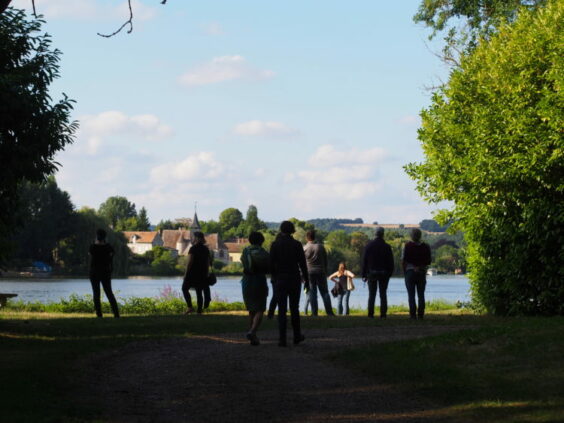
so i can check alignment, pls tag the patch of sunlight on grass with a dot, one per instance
(27, 337)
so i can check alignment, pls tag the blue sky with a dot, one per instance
(304, 109)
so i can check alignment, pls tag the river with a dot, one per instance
(447, 287)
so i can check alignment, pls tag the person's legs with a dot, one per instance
(372, 289)
(340, 303)
(187, 296)
(383, 284)
(324, 292)
(273, 303)
(207, 296)
(410, 286)
(421, 283)
(200, 299)
(257, 319)
(347, 296)
(95, 282)
(294, 291)
(281, 301)
(312, 294)
(107, 285)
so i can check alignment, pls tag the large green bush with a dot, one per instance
(494, 146)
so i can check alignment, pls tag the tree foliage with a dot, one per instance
(494, 146)
(464, 22)
(32, 127)
(116, 210)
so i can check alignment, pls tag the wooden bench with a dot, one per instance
(4, 299)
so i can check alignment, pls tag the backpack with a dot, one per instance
(259, 260)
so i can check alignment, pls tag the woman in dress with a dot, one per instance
(255, 261)
(197, 271)
(343, 279)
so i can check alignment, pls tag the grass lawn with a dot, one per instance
(503, 370)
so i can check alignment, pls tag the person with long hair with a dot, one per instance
(343, 279)
(256, 264)
(196, 275)
(101, 266)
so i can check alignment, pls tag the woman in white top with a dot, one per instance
(343, 279)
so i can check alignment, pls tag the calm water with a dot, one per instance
(447, 287)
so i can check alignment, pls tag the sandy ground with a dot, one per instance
(221, 378)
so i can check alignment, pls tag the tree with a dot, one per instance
(466, 21)
(115, 209)
(431, 225)
(211, 227)
(338, 239)
(33, 129)
(143, 223)
(358, 242)
(230, 218)
(252, 222)
(493, 146)
(48, 215)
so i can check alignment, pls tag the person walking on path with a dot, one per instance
(196, 275)
(101, 266)
(343, 279)
(256, 264)
(377, 268)
(289, 268)
(415, 258)
(316, 259)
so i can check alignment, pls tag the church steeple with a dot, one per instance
(195, 226)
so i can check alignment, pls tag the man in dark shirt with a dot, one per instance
(316, 258)
(101, 258)
(415, 259)
(377, 268)
(289, 267)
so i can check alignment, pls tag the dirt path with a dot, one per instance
(221, 378)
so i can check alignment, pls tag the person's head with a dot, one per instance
(310, 235)
(287, 227)
(199, 237)
(379, 232)
(100, 235)
(256, 238)
(416, 234)
(342, 267)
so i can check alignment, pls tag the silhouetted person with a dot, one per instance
(256, 264)
(196, 275)
(415, 259)
(343, 279)
(289, 267)
(101, 266)
(316, 259)
(377, 268)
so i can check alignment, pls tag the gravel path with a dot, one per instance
(221, 378)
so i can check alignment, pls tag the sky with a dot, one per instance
(305, 109)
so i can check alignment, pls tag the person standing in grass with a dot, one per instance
(343, 279)
(101, 266)
(288, 265)
(316, 258)
(377, 268)
(256, 264)
(415, 258)
(196, 275)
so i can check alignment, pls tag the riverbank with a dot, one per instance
(141, 368)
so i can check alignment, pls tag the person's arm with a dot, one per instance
(403, 262)
(350, 274)
(364, 267)
(302, 263)
(188, 264)
(111, 259)
(333, 277)
(246, 262)
(323, 259)
(390, 261)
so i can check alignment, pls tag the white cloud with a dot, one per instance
(337, 175)
(202, 166)
(327, 155)
(409, 120)
(264, 129)
(87, 9)
(94, 128)
(213, 28)
(224, 68)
